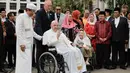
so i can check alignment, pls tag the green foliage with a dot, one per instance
(73, 4)
(119, 3)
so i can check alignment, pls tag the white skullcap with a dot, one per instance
(31, 6)
(54, 22)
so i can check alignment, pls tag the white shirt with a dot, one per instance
(117, 21)
(3, 19)
(107, 18)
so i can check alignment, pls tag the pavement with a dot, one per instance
(118, 70)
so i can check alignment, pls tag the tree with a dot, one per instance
(74, 4)
(119, 3)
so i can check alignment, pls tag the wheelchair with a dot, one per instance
(52, 62)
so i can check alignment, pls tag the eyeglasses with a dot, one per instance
(58, 9)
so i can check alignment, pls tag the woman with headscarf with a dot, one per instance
(76, 19)
(90, 30)
(83, 42)
(69, 27)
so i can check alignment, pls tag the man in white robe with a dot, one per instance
(59, 16)
(72, 55)
(25, 34)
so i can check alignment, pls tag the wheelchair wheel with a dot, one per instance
(48, 63)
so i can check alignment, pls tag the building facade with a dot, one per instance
(15, 5)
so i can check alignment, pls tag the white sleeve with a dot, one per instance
(66, 39)
(48, 40)
(36, 36)
(20, 30)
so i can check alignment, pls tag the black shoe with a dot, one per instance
(113, 67)
(123, 67)
(3, 70)
(99, 67)
(108, 67)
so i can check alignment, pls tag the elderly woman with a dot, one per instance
(83, 42)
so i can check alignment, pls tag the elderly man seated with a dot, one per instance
(72, 55)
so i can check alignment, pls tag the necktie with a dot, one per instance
(48, 14)
(58, 17)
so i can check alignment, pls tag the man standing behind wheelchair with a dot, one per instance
(72, 55)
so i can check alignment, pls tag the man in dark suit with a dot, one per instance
(108, 15)
(44, 17)
(109, 19)
(120, 35)
(3, 19)
(1, 50)
(10, 39)
(97, 11)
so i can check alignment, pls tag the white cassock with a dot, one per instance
(25, 34)
(72, 55)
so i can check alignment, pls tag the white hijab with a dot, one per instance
(85, 40)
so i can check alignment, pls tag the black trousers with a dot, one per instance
(33, 56)
(11, 48)
(128, 57)
(102, 54)
(1, 57)
(40, 49)
(118, 49)
(5, 46)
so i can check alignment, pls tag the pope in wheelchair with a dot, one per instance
(72, 55)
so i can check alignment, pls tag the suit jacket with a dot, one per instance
(121, 33)
(43, 21)
(110, 20)
(1, 34)
(62, 17)
(10, 31)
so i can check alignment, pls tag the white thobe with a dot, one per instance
(25, 34)
(72, 55)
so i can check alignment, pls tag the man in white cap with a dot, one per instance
(25, 34)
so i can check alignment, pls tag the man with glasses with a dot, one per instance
(59, 16)
(1, 50)
(120, 36)
(25, 34)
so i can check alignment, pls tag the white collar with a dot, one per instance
(118, 17)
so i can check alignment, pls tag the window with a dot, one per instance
(22, 0)
(13, 0)
(42, 0)
(22, 6)
(2, 0)
(2, 5)
(33, 0)
(13, 6)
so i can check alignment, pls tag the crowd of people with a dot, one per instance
(23, 38)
